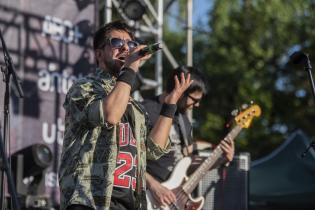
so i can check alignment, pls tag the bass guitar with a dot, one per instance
(182, 186)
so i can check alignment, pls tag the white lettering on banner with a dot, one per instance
(51, 179)
(48, 81)
(52, 132)
(61, 30)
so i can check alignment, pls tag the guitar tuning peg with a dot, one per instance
(244, 106)
(234, 112)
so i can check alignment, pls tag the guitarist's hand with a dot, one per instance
(227, 145)
(181, 84)
(161, 129)
(160, 193)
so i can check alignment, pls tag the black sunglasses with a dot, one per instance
(195, 100)
(118, 43)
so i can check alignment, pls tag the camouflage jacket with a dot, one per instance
(88, 158)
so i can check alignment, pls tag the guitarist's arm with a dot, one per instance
(228, 148)
(227, 145)
(160, 193)
(196, 146)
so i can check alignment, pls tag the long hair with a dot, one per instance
(198, 84)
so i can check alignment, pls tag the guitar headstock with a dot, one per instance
(244, 118)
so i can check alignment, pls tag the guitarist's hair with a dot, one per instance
(198, 84)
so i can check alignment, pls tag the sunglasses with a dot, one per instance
(118, 43)
(195, 100)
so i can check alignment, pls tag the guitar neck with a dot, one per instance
(194, 179)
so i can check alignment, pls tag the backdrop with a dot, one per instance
(50, 44)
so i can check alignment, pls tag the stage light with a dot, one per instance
(28, 167)
(133, 9)
(36, 158)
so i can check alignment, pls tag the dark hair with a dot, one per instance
(101, 34)
(198, 84)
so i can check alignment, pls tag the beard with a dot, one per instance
(114, 66)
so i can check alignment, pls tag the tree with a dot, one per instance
(245, 57)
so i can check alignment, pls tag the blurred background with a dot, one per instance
(243, 47)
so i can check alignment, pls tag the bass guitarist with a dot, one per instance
(180, 136)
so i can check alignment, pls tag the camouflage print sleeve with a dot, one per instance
(84, 103)
(154, 151)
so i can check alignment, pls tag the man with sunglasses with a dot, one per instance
(180, 136)
(107, 137)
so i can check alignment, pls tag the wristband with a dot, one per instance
(168, 110)
(127, 75)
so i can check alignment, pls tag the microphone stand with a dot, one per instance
(308, 68)
(8, 71)
(312, 145)
(5, 167)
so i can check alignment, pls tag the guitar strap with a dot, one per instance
(183, 131)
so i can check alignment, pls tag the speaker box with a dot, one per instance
(226, 188)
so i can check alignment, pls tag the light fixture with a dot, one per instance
(36, 158)
(134, 10)
(28, 167)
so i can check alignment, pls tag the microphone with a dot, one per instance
(150, 49)
(300, 57)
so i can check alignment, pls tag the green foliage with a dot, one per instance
(245, 57)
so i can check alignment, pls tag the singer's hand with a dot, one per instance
(133, 60)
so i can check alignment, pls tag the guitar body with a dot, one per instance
(184, 201)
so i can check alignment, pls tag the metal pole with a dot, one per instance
(189, 34)
(108, 11)
(189, 44)
(158, 64)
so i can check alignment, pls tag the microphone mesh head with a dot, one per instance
(298, 57)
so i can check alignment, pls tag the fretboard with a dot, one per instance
(194, 179)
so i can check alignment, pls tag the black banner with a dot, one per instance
(50, 43)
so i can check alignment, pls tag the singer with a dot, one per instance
(101, 168)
